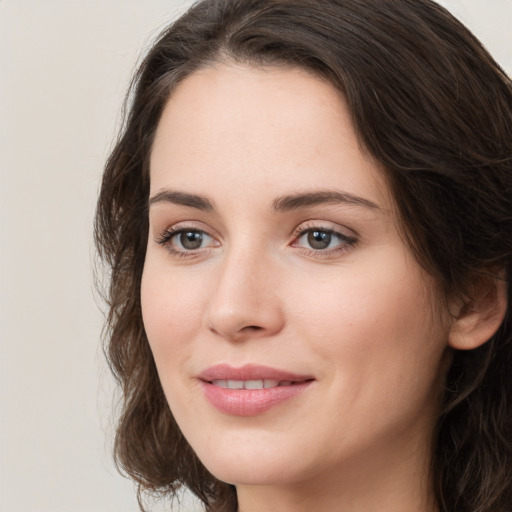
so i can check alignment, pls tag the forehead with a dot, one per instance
(242, 125)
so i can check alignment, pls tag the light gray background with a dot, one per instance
(64, 68)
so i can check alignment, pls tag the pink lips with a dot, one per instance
(259, 388)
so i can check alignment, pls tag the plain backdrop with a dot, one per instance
(64, 69)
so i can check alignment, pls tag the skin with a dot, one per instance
(358, 316)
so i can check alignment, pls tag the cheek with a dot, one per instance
(365, 300)
(375, 327)
(171, 311)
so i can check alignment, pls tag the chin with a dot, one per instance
(250, 474)
(251, 467)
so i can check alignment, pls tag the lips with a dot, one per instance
(251, 389)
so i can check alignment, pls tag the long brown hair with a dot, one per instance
(432, 106)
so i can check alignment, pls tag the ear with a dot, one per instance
(479, 318)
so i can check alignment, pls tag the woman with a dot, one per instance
(308, 223)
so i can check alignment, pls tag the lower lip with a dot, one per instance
(250, 402)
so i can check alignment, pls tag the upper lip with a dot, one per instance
(249, 372)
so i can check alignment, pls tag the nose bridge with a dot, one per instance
(245, 300)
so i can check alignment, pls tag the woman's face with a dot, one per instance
(293, 331)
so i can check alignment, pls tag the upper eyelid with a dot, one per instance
(325, 226)
(192, 225)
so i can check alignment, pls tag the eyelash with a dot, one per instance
(346, 241)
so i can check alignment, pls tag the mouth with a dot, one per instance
(253, 384)
(250, 390)
(250, 376)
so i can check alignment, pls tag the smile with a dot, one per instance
(251, 384)
(250, 390)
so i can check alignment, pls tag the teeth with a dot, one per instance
(253, 384)
(235, 384)
(249, 384)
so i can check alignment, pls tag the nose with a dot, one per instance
(245, 303)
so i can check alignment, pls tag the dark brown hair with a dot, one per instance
(432, 106)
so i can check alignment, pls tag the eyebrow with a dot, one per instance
(281, 204)
(295, 201)
(181, 198)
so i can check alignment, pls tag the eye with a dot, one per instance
(185, 240)
(191, 240)
(323, 240)
(318, 240)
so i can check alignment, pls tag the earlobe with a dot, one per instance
(478, 320)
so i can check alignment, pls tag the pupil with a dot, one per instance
(319, 239)
(191, 239)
